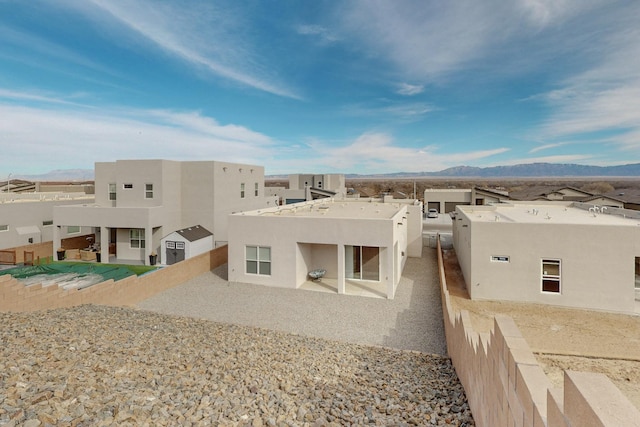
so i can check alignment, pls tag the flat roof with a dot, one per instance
(333, 208)
(551, 213)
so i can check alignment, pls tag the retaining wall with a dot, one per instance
(14, 296)
(506, 386)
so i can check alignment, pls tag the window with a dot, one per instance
(47, 223)
(73, 229)
(112, 191)
(499, 258)
(362, 262)
(148, 191)
(551, 275)
(242, 190)
(127, 186)
(4, 227)
(256, 189)
(258, 260)
(136, 238)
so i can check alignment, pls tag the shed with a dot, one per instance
(184, 244)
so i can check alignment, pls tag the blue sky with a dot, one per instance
(319, 86)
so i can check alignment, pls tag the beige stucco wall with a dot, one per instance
(441, 196)
(597, 261)
(27, 210)
(300, 244)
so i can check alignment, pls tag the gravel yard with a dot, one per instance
(411, 321)
(273, 357)
(94, 365)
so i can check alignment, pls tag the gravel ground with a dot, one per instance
(94, 365)
(411, 321)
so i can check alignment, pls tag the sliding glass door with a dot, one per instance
(362, 262)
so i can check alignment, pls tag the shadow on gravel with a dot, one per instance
(424, 313)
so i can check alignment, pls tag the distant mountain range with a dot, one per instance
(515, 171)
(60, 175)
(521, 171)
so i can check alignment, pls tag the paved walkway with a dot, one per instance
(411, 321)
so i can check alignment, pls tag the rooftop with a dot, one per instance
(334, 208)
(552, 213)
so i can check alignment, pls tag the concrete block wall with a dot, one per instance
(506, 386)
(16, 297)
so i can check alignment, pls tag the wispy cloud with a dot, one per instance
(376, 152)
(405, 111)
(79, 137)
(35, 97)
(604, 100)
(197, 34)
(547, 147)
(429, 40)
(323, 34)
(409, 89)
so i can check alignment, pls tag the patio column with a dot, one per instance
(341, 280)
(390, 259)
(148, 244)
(104, 244)
(56, 241)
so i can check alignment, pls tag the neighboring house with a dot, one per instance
(305, 187)
(184, 244)
(27, 218)
(446, 200)
(561, 253)
(362, 241)
(567, 194)
(138, 202)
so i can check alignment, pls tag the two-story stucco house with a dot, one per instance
(138, 202)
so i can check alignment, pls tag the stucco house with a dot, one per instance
(362, 242)
(304, 187)
(446, 200)
(559, 253)
(138, 202)
(27, 218)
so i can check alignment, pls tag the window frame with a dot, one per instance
(242, 190)
(69, 227)
(4, 227)
(504, 259)
(148, 193)
(140, 238)
(261, 264)
(127, 186)
(113, 191)
(47, 223)
(256, 189)
(546, 279)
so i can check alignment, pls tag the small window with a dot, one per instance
(258, 260)
(47, 223)
(171, 245)
(179, 245)
(4, 227)
(551, 270)
(136, 238)
(256, 189)
(112, 191)
(242, 190)
(148, 191)
(499, 258)
(127, 186)
(73, 229)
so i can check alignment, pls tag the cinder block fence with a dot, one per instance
(14, 296)
(506, 386)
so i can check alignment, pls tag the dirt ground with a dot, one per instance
(563, 338)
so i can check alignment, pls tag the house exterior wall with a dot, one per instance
(442, 197)
(27, 210)
(300, 244)
(597, 260)
(184, 193)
